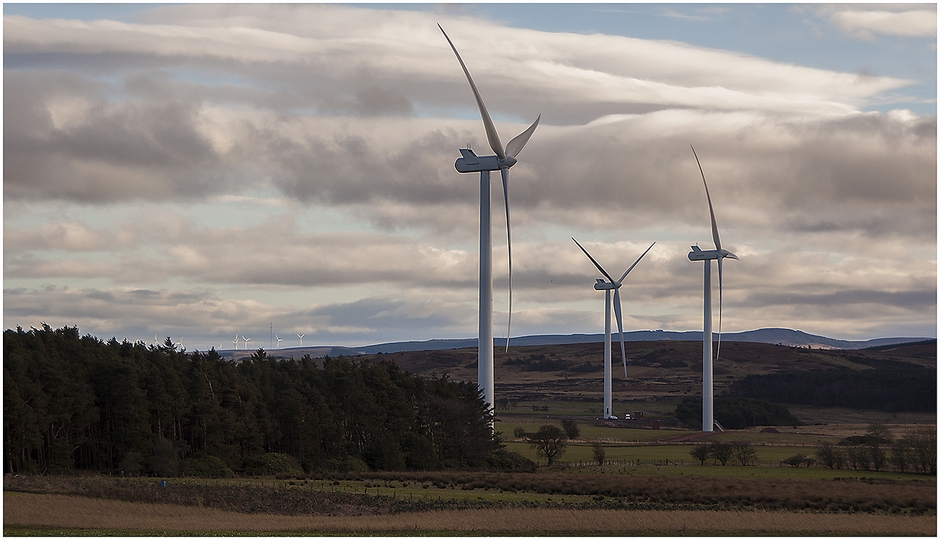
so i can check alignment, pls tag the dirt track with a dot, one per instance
(47, 510)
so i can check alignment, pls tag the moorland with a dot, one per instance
(875, 402)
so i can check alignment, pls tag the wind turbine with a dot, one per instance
(279, 340)
(247, 339)
(611, 285)
(502, 161)
(301, 336)
(697, 254)
(235, 342)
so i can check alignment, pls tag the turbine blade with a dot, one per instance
(518, 142)
(635, 263)
(599, 267)
(711, 210)
(504, 172)
(617, 311)
(491, 135)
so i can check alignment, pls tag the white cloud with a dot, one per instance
(908, 21)
(297, 167)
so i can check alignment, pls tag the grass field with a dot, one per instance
(55, 515)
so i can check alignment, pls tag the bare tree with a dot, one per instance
(720, 451)
(744, 452)
(830, 456)
(549, 441)
(701, 453)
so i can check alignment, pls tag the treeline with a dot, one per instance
(895, 388)
(76, 402)
(735, 412)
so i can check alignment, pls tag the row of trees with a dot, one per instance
(915, 451)
(723, 452)
(898, 386)
(76, 402)
(735, 412)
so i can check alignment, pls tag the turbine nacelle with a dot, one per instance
(698, 254)
(471, 162)
(602, 285)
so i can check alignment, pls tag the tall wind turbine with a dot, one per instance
(502, 161)
(301, 336)
(235, 342)
(697, 254)
(246, 339)
(611, 285)
(279, 340)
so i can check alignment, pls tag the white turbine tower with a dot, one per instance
(235, 342)
(502, 161)
(301, 336)
(246, 339)
(607, 286)
(279, 340)
(697, 254)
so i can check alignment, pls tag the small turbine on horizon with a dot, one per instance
(607, 286)
(279, 340)
(246, 339)
(504, 159)
(301, 336)
(235, 342)
(697, 254)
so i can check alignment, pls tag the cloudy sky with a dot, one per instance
(202, 171)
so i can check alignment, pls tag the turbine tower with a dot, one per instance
(301, 336)
(469, 163)
(235, 342)
(611, 285)
(246, 339)
(279, 340)
(697, 254)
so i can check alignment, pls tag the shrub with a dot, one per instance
(597, 449)
(510, 461)
(571, 428)
(274, 464)
(206, 467)
(131, 464)
(799, 460)
(348, 464)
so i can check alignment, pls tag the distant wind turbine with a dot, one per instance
(502, 161)
(247, 339)
(235, 342)
(697, 254)
(607, 286)
(279, 340)
(301, 336)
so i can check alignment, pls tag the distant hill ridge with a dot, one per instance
(778, 336)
